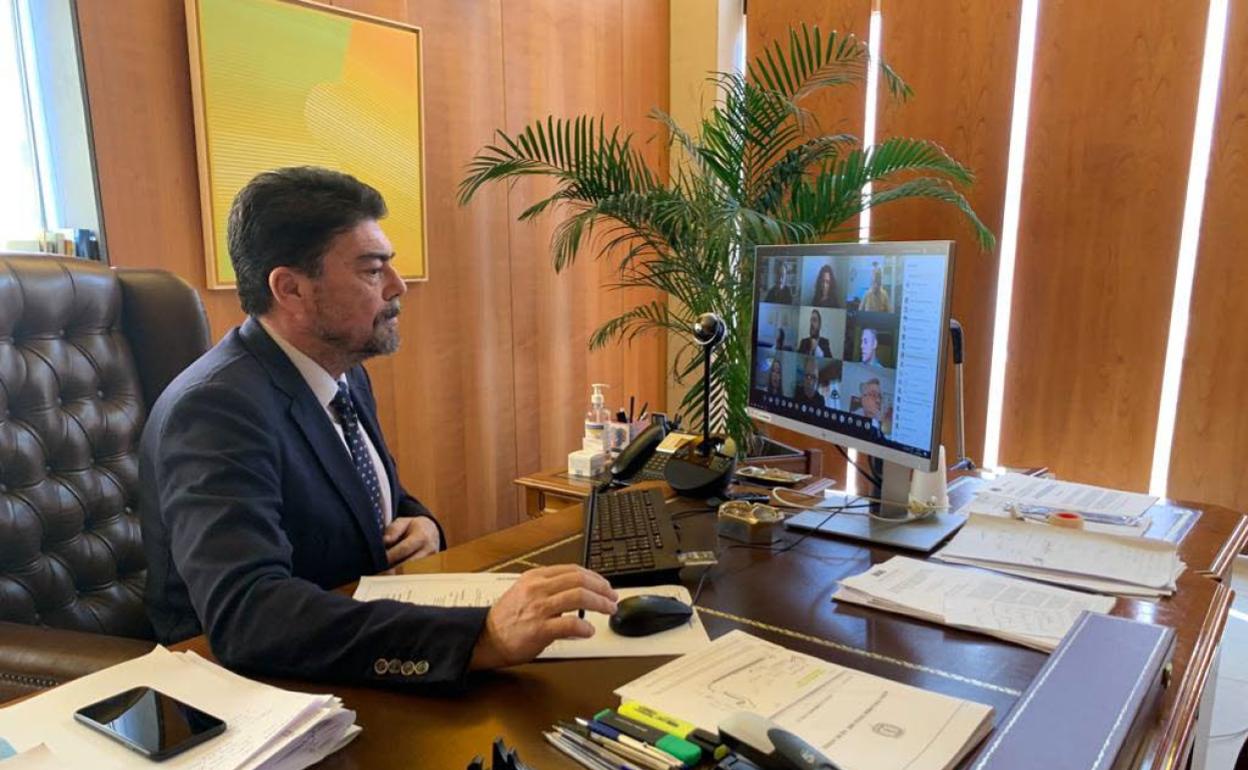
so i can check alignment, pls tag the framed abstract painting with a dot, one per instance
(280, 83)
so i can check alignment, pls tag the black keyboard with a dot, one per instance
(633, 541)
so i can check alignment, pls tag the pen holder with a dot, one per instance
(620, 434)
(616, 436)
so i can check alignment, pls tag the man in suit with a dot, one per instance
(815, 344)
(265, 481)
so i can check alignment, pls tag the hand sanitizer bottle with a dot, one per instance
(596, 419)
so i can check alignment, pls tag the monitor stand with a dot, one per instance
(887, 523)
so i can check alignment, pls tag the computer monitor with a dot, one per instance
(848, 346)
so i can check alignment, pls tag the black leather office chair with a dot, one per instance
(84, 352)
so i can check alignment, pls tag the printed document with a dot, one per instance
(459, 589)
(1027, 613)
(860, 721)
(35, 758)
(267, 728)
(475, 589)
(1067, 556)
(1068, 496)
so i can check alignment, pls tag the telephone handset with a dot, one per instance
(638, 452)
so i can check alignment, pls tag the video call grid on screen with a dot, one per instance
(849, 338)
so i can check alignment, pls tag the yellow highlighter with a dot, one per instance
(639, 712)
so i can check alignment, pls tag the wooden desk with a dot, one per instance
(783, 598)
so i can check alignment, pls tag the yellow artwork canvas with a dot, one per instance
(291, 83)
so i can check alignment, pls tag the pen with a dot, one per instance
(578, 756)
(1042, 512)
(599, 752)
(681, 749)
(644, 406)
(636, 754)
(606, 732)
(630, 754)
(632, 401)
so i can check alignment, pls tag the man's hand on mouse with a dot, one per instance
(532, 614)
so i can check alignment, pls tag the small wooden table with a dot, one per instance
(548, 491)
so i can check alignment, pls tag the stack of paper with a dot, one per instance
(1108, 564)
(1105, 510)
(859, 721)
(477, 589)
(267, 728)
(1018, 611)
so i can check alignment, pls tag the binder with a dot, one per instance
(1089, 706)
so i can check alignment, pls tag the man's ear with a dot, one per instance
(290, 288)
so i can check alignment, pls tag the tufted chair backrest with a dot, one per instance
(72, 406)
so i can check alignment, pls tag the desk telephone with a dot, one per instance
(645, 457)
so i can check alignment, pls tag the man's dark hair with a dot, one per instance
(286, 218)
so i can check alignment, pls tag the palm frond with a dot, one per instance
(756, 169)
(578, 152)
(940, 190)
(651, 316)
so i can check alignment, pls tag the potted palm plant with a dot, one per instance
(758, 170)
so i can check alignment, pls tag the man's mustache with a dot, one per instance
(391, 311)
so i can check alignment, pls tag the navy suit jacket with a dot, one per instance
(252, 510)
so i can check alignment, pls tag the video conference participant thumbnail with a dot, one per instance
(820, 287)
(774, 372)
(825, 332)
(867, 392)
(818, 386)
(873, 284)
(871, 339)
(777, 326)
(783, 273)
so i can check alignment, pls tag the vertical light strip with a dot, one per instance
(1189, 240)
(874, 37)
(1009, 228)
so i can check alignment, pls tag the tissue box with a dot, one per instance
(586, 463)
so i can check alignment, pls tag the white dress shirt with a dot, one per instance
(325, 387)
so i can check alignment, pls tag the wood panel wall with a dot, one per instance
(1211, 430)
(769, 21)
(841, 109)
(491, 380)
(965, 106)
(568, 59)
(1112, 110)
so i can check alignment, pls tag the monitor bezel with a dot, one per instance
(880, 248)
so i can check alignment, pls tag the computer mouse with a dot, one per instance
(648, 614)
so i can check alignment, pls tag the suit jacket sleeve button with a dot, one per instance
(422, 668)
(395, 666)
(409, 668)
(380, 666)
